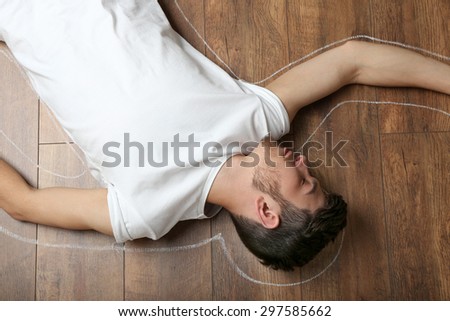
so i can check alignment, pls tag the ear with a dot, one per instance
(269, 218)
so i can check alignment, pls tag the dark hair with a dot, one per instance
(299, 236)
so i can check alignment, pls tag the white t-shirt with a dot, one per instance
(135, 96)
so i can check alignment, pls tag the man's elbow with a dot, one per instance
(352, 51)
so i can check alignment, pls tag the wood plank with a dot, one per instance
(50, 131)
(364, 253)
(65, 273)
(18, 120)
(173, 274)
(256, 38)
(423, 24)
(239, 276)
(416, 171)
(193, 10)
(163, 270)
(251, 37)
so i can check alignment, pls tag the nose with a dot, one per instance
(303, 166)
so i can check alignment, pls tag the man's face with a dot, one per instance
(295, 181)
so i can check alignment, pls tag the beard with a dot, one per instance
(267, 181)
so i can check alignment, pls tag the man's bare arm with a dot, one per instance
(358, 63)
(70, 208)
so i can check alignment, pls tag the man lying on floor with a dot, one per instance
(119, 79)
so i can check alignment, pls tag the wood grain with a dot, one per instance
(74, 274)
(50, 131)
(416, 171)
(421, 24)
(364, 249)
(251, 37)
(18, 103)
(194, 11)
(359, 180)
(169, 275)
(396, 182)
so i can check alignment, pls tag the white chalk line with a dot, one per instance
(370, 102)
(311, 54)
(218, 237)
(23, 74)
(121, 247)
(9, 56)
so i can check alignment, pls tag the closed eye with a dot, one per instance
(314, 184)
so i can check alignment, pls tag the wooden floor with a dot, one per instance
(396, 181)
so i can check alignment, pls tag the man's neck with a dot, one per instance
(231, 188)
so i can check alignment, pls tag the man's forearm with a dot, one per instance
(71, 208)
(358, 62)
(389, 66)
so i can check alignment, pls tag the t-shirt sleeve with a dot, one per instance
(276, 115)
(118, 221)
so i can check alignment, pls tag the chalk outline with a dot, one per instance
(217, 237)
(122, 246)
